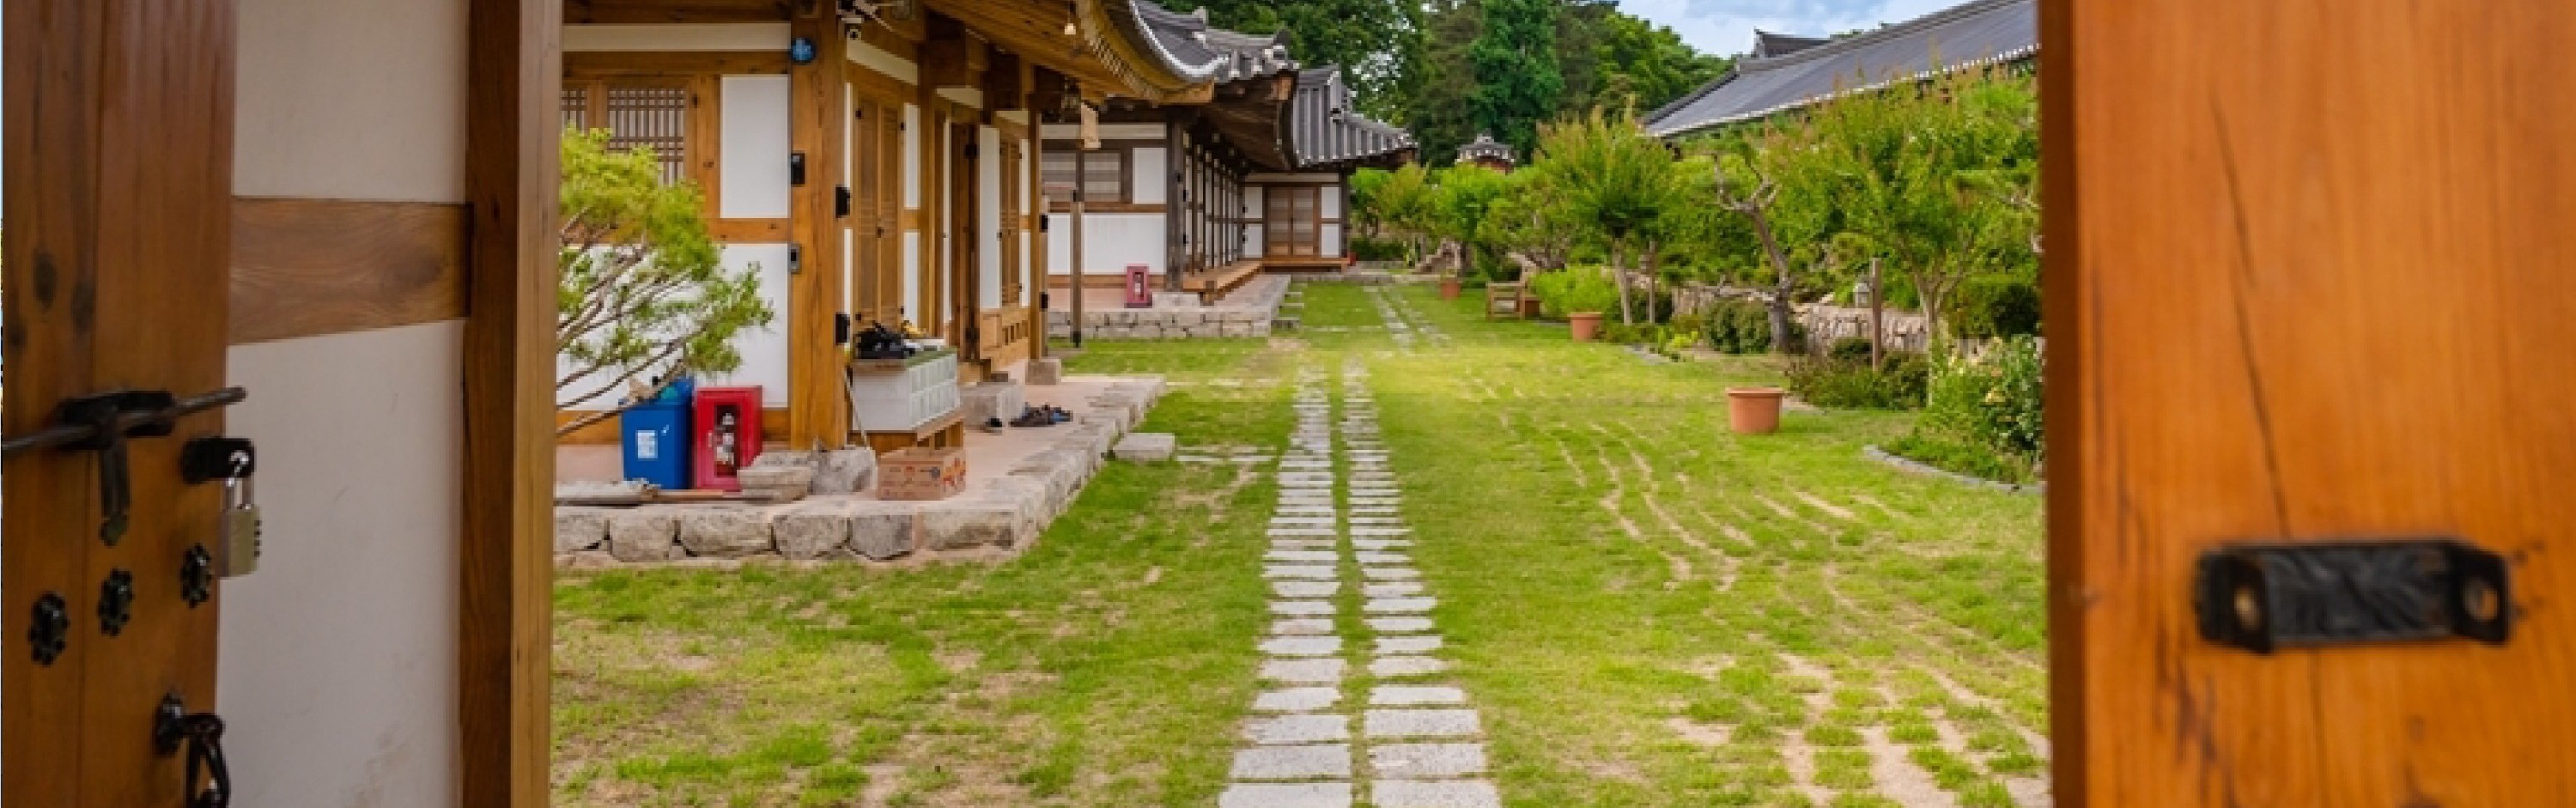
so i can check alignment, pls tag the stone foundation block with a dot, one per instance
(1046, 372)
(644, 535)
(726, 532)
(1147, 447)
(579, 529)
(844, 471)
(1003, 400)
(883, 530)
(817, 532)
(960, 524)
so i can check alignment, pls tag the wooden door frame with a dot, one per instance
(965, 212)
(506, 595)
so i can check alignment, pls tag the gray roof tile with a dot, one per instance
(1790, 72)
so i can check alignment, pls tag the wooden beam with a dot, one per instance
(956, 61)
(675, 63)
(310, 267)
(513, 134)
(1006, 83)
(818, 123)
(673, 11)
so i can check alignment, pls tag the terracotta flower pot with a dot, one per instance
(1587, 325)
(1449, 288)
(1753, 410)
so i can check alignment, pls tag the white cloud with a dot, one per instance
(1726, 26)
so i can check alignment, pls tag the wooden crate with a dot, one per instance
(921, 474)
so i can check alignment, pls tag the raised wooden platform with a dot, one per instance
(1302, 265)
(1213, 285)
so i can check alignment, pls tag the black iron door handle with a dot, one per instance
(202, 736)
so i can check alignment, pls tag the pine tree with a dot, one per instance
(1518, 81)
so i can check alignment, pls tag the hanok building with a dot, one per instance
(1786, 73)
(1487, 152)
(1206, 194)
(882, 162)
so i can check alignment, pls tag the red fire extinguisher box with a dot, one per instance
(728, 435)
(1140, 294)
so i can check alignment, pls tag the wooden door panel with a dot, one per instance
(120, 139)
(2310, 276)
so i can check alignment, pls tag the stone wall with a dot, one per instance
(1906, 330)
(1248, 312)
(1001, 515)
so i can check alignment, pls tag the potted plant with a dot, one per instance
(1587, 325)
(1753, 410)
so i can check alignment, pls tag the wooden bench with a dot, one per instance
(1213, 284)
(1503, 300)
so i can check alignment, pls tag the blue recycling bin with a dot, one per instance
(655, 437)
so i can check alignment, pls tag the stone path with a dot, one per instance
(1394, 734)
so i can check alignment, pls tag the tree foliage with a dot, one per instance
(1514, 60)
(643, 295)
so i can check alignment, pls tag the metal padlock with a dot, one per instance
(238, 553)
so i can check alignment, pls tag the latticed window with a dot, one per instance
(647, 113)
(1104, 173)
(1292, 226)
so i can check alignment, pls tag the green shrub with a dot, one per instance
(1744, 327)
(1997, 307)
(1624, 334)
(1984, 417)
(1380, 249)
(1849, 349)
(1574, 290)
(1849, 384)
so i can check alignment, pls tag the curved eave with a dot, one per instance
(1114, 32)
(1699, 126)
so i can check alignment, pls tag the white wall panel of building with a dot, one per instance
(1149, 178)
(764, 350)
(360, 434)
(752, 160)
(988, 212)
(1110, 241)
(911, 156)
(1332, 200)
(1329, 241)
(911, 272)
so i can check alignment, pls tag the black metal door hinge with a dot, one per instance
(2263, 597)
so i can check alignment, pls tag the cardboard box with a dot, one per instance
(921, 474)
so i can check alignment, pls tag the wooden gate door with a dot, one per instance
(965, 257)
(2311, 277)
(119, 149)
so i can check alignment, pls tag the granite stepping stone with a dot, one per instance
(1297, 699)
(1400, 646)
(1302, 532)
(1293, 762)
(1306, 589)
(1285, 795)
(1392, 589)
(1407, 723)
(1359, 532)
(1403, 667)
(1415, 696)
(1303, 671)
(1312, 572)
(1427, 760)
(1304, 544)
(1384, 573)
(1302, 608)
(1302, 556)
(1382, 557)
(1298, 728)
(1381, 544)
(1300, 625)
(1400, 625)
(1399, 605)
(1434, 794)
(1301, 521)
(1322, 645)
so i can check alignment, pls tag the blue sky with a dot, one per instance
(1726, 26)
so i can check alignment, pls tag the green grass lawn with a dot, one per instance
(1648, 610)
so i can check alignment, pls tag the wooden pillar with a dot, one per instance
(818, 123)
(1081, 179)
(1174, 119)
(513, 135)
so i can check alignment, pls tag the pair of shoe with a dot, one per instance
(1044, 415)
(992, 425)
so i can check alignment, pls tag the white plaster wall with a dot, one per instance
(756, 36)
(911, 271)
(1329, 239)
(1331, 200)
(351, 99)
(883, 61)
(1147, 180)
(988, 228)
(911, 156)
(1110, 241)
(764, 350)
(338, 658)
(752, 181)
